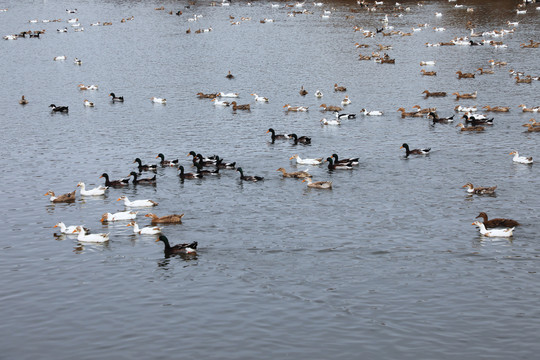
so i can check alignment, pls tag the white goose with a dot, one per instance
(121, 215)
(94, 238)
(316, 161)
(148, 230)
(137, 203)
(508, 232)
(73, 229)
(100, 190)
(521, 159)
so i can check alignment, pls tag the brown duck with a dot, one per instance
(296, 174)
(69, 197)
(493, 223)
(167, 219)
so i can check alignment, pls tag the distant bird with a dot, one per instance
(318, 184)
(179, 249)
(480, 190)
(303, 91)
(88, 103)
(23, 101)
(521, 159)
(301, 139)
(339, 88)
(55, 108)
(414, 151)
(248, 178)
(158, 100)
(229, 75)
(116, 98)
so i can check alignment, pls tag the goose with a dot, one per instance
(63, 109)
(248, 178)
(346, 101)
(148, 230)
(303, 91)
(97, 191)
(465, 96)
(295, 174)
(167, 219)
(260, 98)
(508, 232)
(498, 222)
(464, 75)
(315, 161)
(427, 63)
(330, 108)
(220, 103)
(296, 108)
(414, 151)
(350, 161)
(481, 190)
(229, 75)
(114, 183)
(69, 197)
(88, 103)
(144, 167)
(470, 128)
(371, 113)
(330, 122)
(117, 216)
(23, 101)
(183, 175)
(301, 139)
(228, 95)
(318, 94)
(94, 238)
(344, 115)
(137, 203)
(436, 118)
(333, 166)
(339, 88)
(521, 159)
(158, 100)
(116, 98)
(182, 249)
(145, 181)
(240, 107)
(164, 162)
(69, 230)
(318, 184)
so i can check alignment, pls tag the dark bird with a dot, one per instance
(144, 167)
(55, 108)
(341, 166)
(301, 139)
(248, 178)
(277, 136)
(414, 151)
(184, 175)
(114, 183)
(146, 181)
(164, 162)
(494, 223)
(116, 98)
(179, 248)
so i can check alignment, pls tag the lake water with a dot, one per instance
(384, 265)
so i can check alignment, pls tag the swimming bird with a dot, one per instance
(137, 203)
(318, 184)
(182, 249)
(296, 108)
(477, 119)
(69, 230)
(167, 219)
(344, 115)
(69, 197)
(532, 127)
(521, 159)
(434, 94)
(295, 174)
(224, 165)
(63, 109)
(339, 88)
(508, 232)
(371, 113)
(200, 170)
(414, 151)
(305, 161)
(464, 75)
(301, 139)
(480, 190)
(340, 166)
(345, 101)
(118, 216)
(526, 109)
(164, 162)
(498, 222)
(437, 119)
(324, 121)
(260, 98)
(144, 167)
(240, 107)
(97, 191)
(465, 96)
(497, 108)
(94, 238)
(158, 100)
(147, 230)
(470, 128)
(275, 136)
(229, 75)
(88, 103)
(318, 94)
(77, 61)
(427, 63)
(116, 98)
(61, 57)
(228, 95)
(248, 178)
(145, 181)
(428, 73)
(220, 103)
(346, 161)
(303, 91)
(184, 175)
(114, 183)
(330, 107)
(23, 101)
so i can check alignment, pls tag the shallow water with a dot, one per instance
(385, 265)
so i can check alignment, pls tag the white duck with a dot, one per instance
(427, 63)
(137, 203)
(371, 113)
(88, 103)
(316, 161)
(508, 232)
(148, 230)
(318, 94)
(121, 215)
(228, 95)
(158, 100)
(94, 238)
(58, 58)
(73, 229)
(521, 159)
(260, 98)
(220, 103)
(100, 190)
(346, 101)
(466, 109)
(330, 122)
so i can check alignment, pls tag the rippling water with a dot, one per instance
(386, 265)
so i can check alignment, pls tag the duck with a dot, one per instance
(318, 184)
(296, 108)
(63, 109)
(526, 109)
(414, 151)
(350, 161)
(340, 166)
(497, 108)
(116, 98)
(114, 183)
(260, 98)
(339, 88)
(200, 170)
(466, 109)
(419, 109)
(315, 161)
(145, 167)
(248, 178)
(220, 103)
(427, 63)
(183, 175)
(521, 159)
(198, 158)
(164, 162)
(240, 107)
(330, 108)
(167, 219)
(23, 101)
(229, 75)
(405, 114)
(224, 165)
(145, 181)
(147, 230)
(532, 127)
(303, 91)
(344, 115)
(477, 119)
(77, 61)
(345, 101)
(60, 58)
(437, 119)
(498, 222)
(525, 80)
(228, 95)
(465, 96)
(207, 96)
(295, 174)
(69, 197)
(87, 87)
(94, 238)
(117, 216)
(97, 191)
(318, 94)
(470, 128)
(434, 94)
(179, 249)
(69, 230)
(464, 75)
(484, 71)
(481, 190)
(301, 139)
(324, 121)
(428, 73)
(508, 232)
(158, 100)
(137, 203)
(371, 113)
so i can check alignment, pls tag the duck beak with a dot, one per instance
(401, 147)
(118, 199)
(55, 226)
(157, 239)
